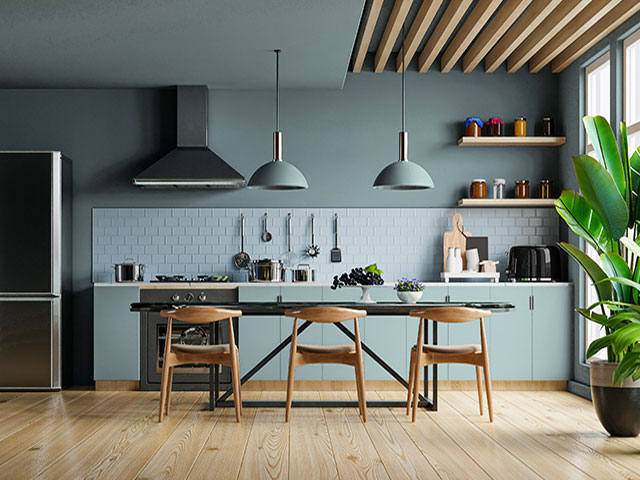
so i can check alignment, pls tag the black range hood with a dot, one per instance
(192, 164)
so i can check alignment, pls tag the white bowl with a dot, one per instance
(409, 297)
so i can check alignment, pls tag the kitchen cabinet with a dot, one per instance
(258, 293)
(552, 342)
(387, 336)
(511, 334)
(116, 334)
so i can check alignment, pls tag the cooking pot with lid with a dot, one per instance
(266, 270)
(129, 271)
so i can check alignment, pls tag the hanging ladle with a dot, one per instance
(313, 250)
(266, 236)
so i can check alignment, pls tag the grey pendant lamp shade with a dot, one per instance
(403, 174)
(278, 174)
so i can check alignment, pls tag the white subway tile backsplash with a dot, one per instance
(402, 241)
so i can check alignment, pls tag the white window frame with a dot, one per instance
(590, 327)
(630, 40)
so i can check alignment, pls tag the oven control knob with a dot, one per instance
(202, 297)
(175, 297)
(188, 297)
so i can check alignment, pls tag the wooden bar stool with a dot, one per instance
(344, 354)
(221, 354)
(423, 355)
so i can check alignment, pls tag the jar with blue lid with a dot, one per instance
(473, 126)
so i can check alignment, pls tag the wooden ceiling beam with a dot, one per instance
(447, 24)
(367, 32)
(508, 13)
(477, 19)
(583, 22)
(554, 23)
(601, 29)
(527, 23)
(418, 29)
(391, 31)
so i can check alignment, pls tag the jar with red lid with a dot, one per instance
(473, 127)
(495, 127)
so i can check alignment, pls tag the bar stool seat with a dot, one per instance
(325, 349)
(452, 349)
(220, 348)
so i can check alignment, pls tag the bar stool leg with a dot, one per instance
(479, 382)
(169, 385)
(412, 366)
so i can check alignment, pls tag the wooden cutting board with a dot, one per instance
(455, 239)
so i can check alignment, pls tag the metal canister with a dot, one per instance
(498, 187)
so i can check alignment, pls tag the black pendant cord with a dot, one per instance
(277, 90)
(403, 81)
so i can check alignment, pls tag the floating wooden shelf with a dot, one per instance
(506, 202)
(511, 141)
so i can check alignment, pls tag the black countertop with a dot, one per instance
(278, 308)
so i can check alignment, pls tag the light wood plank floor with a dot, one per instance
(115, 435)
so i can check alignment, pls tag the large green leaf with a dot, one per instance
(598, 344)
(624, 151)
(628, 367)
(624, 337)
(600, 192)
(583, 220)
(634, 173)
(616, 267)
(597, 275)
(606, 149)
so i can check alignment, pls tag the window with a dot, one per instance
(631, 55)
(597, 102)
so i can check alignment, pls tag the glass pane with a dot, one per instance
(632, 79)
(598, 98)
(634, 141)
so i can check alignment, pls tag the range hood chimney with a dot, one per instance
(192, 164)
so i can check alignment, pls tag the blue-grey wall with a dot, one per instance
(339, 138)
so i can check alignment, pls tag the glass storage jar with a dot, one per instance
(495, 127)
(522, 189)
(498, 187)
(547, 127)
(545, 188)
(520, 127)
(473, 127)
(478, 188)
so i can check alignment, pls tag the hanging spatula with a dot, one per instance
(336, 253)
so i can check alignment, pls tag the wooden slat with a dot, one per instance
(374, 7)
(554, 23)
(355, 455)
(508, 13)
(447, 24)
(527, 23)
(267, 452)
(310, 445)
(478, 17)
(601, 29)
(534, 426)
(390, 34)
(538, 457)
(583, 22)
(419, 27)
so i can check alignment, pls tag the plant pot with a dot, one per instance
(618, 408)
(366, 294)
(409, 297)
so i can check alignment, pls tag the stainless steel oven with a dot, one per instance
(153, 336)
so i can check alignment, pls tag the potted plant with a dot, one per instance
(409, 291)
(606, 214)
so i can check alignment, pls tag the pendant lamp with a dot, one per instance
(278, 174)
(403, 174)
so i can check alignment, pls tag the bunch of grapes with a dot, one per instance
(356, 277)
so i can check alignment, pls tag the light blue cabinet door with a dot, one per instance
(469, 332)
(552, 332)
(301, 294)
(384, 293)
(258, 293)
(332, 336)
(116, 333)
(259, 335)
(347, 294)
(313, 336)
(387, 336)
(511, 334)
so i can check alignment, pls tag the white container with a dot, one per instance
(458, 261)
(473, 260)
(451, 260)
(409, 297)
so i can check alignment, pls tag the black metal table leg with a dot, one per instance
(426, 368)
(434, 399)
(217, 367)
(212, 399)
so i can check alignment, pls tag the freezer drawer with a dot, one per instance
(27, 353)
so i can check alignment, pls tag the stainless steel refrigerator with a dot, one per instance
(35, 256)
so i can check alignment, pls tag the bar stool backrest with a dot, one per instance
(200, 314)
(451, 314)
(326, 314)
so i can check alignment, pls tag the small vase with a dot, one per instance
(409, 297)
(366, 294)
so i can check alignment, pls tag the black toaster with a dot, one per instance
(538, 263)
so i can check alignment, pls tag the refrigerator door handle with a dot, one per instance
(28, 296)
